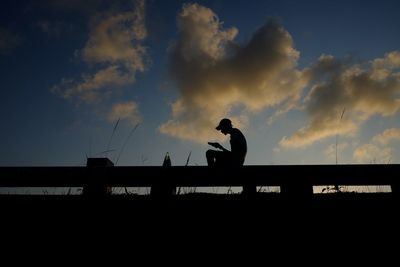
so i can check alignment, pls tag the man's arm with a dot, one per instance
(219, 146)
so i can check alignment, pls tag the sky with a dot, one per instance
(307, 82)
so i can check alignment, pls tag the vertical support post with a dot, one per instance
(299, 189)
(96, 186)
(249, 190)
(164, 189)
(395, 189)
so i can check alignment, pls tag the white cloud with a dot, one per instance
(333, 151)
(319, 128)
(113, 36)
(217, 77)
(390, 61)
(387, 136)
(94, 87)
(370, 153)
(125, 111)
(114, 45)
(377, 149)
(363, 90)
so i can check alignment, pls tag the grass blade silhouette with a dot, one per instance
(126, 142)
(188, 158)
(112, 135)
(336, 145)
(187, 164)
(336, 187)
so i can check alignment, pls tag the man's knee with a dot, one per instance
(211, 157)
(210, 153)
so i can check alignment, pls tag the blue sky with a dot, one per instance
(302, 80)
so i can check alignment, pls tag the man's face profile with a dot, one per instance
(224, 130)
(224, 126)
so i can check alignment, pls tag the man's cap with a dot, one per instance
(224, 123)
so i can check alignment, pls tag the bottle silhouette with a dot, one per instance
(167, 161)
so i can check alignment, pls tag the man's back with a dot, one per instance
(238, 145)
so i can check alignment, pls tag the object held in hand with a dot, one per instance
(216, 145)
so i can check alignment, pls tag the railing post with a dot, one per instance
(164, 189)
(95, 186)
(249, 190)
(298, 188)
(395, 189)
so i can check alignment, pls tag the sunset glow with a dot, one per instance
(307, 82)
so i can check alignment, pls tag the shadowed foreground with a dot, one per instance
(295, 182)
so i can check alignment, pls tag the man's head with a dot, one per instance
(225, 125)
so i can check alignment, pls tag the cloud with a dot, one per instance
(8, 41)
(376, 150)
(114, 47)
(217, 77)
(332, 150)
(319, 128)
(95, 87)
(387, 136)
(363, 90)
(125, 111)
(390, 61)
(370, 153)
(112, 36)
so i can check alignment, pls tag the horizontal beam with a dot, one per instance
(202, 176)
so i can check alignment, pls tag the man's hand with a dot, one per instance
(216, 145)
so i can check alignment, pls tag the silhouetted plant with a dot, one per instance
(335, 188)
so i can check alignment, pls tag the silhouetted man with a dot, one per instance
(233, 158)
(237, 154)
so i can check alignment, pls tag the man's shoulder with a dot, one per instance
(237, 132)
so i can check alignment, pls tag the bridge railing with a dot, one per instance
(292, 179)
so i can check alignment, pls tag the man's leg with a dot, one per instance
(216, 158)
(211, 156)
